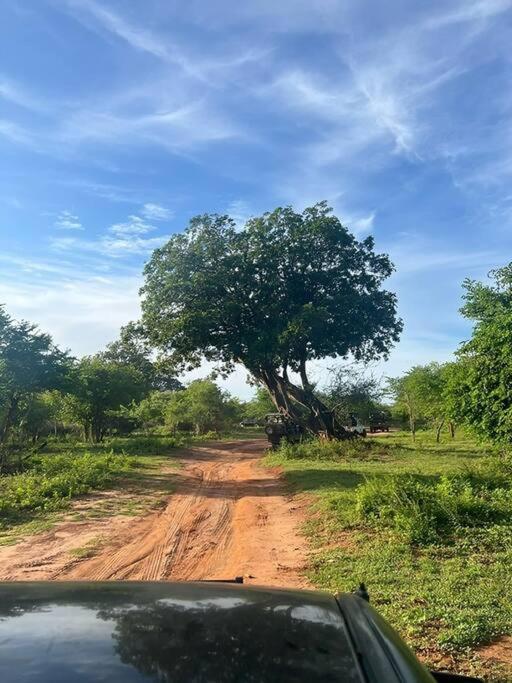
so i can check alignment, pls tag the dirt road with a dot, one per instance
(227, 517)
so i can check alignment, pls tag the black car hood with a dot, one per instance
(131, 631)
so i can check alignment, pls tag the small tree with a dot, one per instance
(203, 405)
(259, 406)
(101, 387)
(421, 394)
(352, 390)
(287, 289)
(152, 410)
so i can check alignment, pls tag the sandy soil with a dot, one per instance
(227, 517)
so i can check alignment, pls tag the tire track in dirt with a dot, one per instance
(227, 517)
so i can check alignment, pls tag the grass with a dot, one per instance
(89, 549)
(31, 500)
(428, 528)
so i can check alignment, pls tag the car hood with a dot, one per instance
(145, 631)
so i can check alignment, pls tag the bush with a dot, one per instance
(321, 449)
(426, 511)
(54, 480)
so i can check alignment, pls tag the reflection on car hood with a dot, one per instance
(133, 632)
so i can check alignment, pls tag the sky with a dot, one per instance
(120, 120)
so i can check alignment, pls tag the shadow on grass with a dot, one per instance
(342, 480)
(441, 450)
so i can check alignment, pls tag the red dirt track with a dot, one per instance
(227, 517)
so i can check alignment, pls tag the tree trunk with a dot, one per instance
(8, 420)
(438, 431)
(451, 427)
(300, 403)
(412, 418)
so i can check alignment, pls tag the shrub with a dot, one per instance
(426, 511)
(322, 449)
(54, 480)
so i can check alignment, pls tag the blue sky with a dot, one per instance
(120, 120)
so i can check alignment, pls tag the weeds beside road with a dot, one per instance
(428, 528)
(65, 470)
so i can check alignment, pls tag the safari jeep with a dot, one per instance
(278, 427)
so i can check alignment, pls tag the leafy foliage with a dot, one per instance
(100, 388)
(259, 406)
(132, 349)
(203, 405)
(480, 391)
(52, 481)
(430, 511)
(422, 395)
(287, 289)
(444, 594)
(29, 363)
(351, 390)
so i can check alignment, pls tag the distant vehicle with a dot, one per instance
(356, 426)
(249, 422)
(138, 632)
(380, 422)
(279, 427)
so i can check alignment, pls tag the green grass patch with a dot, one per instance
(66, 469)
(53, 481)
(89, 549)
(428, 528)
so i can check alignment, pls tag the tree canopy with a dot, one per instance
(202, 405)
(29, 363)
(286, 289)
(132, 348)
(421, 394)
(100, 388)
(481, 392)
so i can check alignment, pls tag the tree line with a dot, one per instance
(45, 390)
(284, 291)
(474, 390)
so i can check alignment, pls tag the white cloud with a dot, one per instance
(110, 246)
(15, 133)
(156, 212)
(68, 221)
(177, 128)
(469, 12)
(414, 253)
(363, 224)
(82, 313)
(13, 92)
(135, 225)
(114, 193)
(135, 36)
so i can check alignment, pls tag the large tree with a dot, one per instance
(481, 384)
(29, 363)
(287, 289)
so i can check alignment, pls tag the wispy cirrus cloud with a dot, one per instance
(16, 133)
(156, 212)
(15, 93)
(68, 221)
(123, 239)
(110, 246)
(136, 36)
